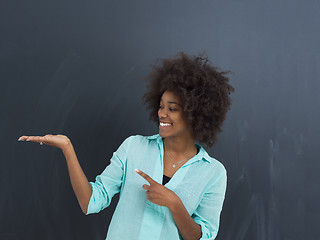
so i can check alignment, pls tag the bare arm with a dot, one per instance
(79, 181)
(188, 228)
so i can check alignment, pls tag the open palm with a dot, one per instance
(58, 141)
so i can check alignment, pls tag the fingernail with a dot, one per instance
(137, 170)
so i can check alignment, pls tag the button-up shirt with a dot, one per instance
(200, 184)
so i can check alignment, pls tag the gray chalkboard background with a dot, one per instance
(75, 68)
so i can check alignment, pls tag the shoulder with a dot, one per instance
(135, 143)
(212, 163)
(214, 170)
(218, 180)
(139, 137)
(218, 166)
(142, 140)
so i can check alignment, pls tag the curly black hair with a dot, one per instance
(202, 89)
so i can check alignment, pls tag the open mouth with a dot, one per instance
(162, 124)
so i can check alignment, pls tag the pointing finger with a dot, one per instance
(145, 176)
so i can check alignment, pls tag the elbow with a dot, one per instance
(84, 211)
(84, 208)
(84, 204)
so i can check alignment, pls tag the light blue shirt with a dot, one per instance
(200, 183)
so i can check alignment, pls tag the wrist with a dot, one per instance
(67, 146)
(174, 204)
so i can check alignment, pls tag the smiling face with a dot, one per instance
(171, 119)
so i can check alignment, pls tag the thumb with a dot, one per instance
(146, 187)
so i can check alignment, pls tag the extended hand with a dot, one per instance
(59, 141)
(157, 193)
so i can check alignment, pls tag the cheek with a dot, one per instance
(184, 123)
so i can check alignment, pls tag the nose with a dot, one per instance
(162, 113)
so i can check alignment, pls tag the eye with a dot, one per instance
(160, 107)
(172, 109)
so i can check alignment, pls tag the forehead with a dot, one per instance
(170, 97)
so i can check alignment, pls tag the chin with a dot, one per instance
(163, 134)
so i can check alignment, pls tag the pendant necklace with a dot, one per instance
(173, 163)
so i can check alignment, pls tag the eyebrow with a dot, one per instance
(170, 102)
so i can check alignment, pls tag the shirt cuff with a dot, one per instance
(91, 208)
(207, 234)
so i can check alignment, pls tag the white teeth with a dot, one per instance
(165, 124)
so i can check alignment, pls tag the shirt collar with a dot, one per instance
(202, 154)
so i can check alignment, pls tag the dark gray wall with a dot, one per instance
(75, 68)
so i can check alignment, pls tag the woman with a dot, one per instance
(180, 191)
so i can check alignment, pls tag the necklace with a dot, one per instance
(173, 163)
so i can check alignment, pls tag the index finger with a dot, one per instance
(145, 176)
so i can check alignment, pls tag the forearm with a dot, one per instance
(188, 228)
(79, 181)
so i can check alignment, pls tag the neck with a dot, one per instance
(180, 145)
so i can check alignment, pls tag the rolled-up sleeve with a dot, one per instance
(207, 214)
(108, 183)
